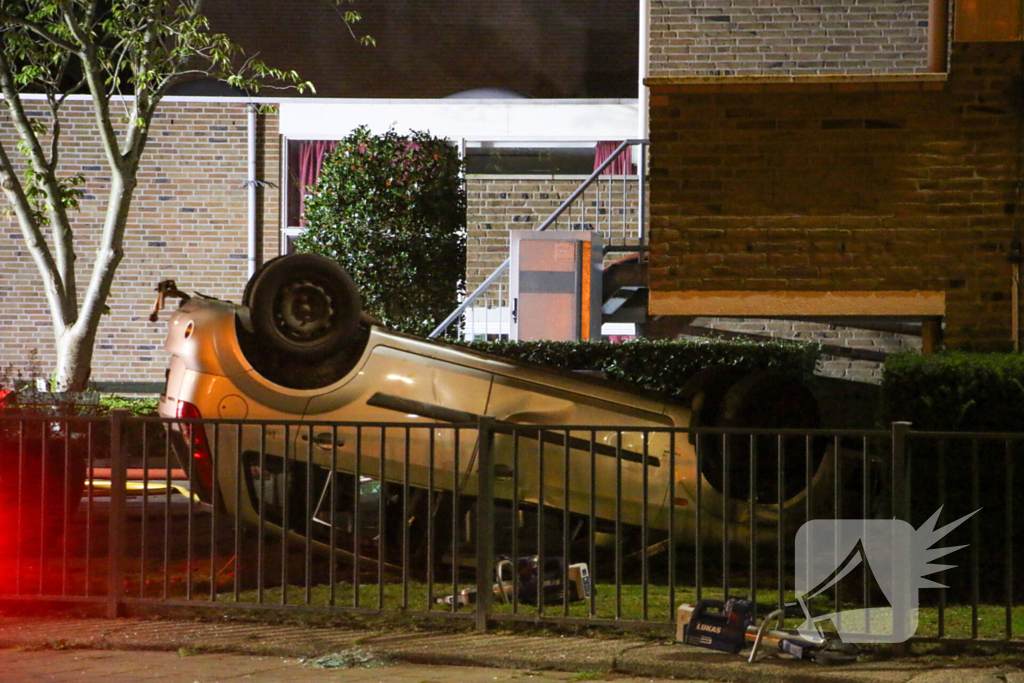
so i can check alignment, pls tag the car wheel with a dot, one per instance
(766, 400)
(304, 305)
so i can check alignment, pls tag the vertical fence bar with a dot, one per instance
(357, 522)
(285, 512)
(20, 547)
(975, 535)
(900, 502)
(44, 428)
(333, 517)
(540, 523)
(865, 506)
(116, 531)
(214, 463)
(752, 515)
(592, 555)
(144, 532)
(191, 427)
(239, 474)
(1008, 495)
(644, 534)
(515, 522)
(780, 542)
(455, 520)
(671, 524)
(698, 546)
(382, 519)
(942, 503)
(836, 514)
(430, 522)
(725, 515)
(484, 523)
(900, 509)
(618, 525)
(88, 510)
(308, 554)
(167, 510)
(565, 521)
(405, 524)
(65, 511)
(260, 549)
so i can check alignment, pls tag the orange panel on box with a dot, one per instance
(987, 21)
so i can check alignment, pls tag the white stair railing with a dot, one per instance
(486, 309)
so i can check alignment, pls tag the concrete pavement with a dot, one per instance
(588, 658)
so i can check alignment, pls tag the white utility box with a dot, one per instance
(555, 283)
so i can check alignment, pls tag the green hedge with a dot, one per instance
(955, 391)
(659, 365)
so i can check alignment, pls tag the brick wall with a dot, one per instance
(499, 204)
(720, 37)
(188, 222)
(827, 190)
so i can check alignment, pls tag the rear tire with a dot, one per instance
(764, 400)
(304, 305)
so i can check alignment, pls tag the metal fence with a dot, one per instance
(486, 520)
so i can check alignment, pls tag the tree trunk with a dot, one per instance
(74, 358)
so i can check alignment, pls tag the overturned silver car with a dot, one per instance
(320, 407)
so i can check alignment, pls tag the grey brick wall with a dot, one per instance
(188, 222)
(725, 37)
(499, 204)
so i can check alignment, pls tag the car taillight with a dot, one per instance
(200, 447)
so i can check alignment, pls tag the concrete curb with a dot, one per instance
(557, 653)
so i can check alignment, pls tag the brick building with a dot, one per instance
(804, 164)
(839, 184)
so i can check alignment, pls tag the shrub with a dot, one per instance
(955, 391)
(392, 210)
(661, 365)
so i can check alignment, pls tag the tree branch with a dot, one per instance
(94, 78)
(38, 30)
(45, 170)
(60, 223)
(35, 242)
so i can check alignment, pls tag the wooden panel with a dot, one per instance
(791, 303)
(987, 20)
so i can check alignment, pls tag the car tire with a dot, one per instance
(304, 305)
(767, 400)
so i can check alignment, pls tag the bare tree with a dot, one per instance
(117, 51)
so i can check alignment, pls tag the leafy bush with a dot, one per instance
(392, 210)
(662, 365)
(955, 391)
(136, 407)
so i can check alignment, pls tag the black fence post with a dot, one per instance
(900, 472)
(900, 510)
(485, 524)
(116, 529)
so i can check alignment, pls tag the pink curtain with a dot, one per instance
(622, 165)
(311, 159)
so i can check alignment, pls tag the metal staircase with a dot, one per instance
(622, 222)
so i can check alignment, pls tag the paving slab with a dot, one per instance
(624, 655)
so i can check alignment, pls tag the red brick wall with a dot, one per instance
(826, 190)
(722, 37)
(188, 222)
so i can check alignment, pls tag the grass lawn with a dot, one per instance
(628, 606)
